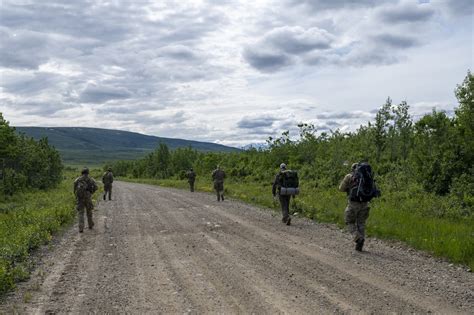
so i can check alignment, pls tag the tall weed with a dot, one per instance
(27, 221)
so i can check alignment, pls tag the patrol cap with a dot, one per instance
(109, 169)
(282, 166)
(85, 170)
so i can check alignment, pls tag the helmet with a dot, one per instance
(109, 169)
(282, 166)
(85, 170)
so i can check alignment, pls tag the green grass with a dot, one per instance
(27, 221)
(404, 218)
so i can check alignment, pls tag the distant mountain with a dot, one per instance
(94, 146)
(257, 146)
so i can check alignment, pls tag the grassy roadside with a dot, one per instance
(29, 220)
(391, 217)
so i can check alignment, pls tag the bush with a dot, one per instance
(26, 222)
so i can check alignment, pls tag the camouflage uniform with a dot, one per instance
(356, 212)
(218, 176)
(284, 200)
(191, 175)
(108, 179)
(85, 201)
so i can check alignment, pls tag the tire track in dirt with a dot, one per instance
(349, 291)
(242, 254)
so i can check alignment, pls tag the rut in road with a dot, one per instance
(160, 250)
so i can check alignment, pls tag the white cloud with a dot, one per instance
(233, 72)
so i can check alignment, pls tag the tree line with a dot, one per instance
(434, 154)
(25, 162)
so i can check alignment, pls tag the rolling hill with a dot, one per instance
(94, 146)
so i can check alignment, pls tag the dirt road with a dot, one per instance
(161, 250)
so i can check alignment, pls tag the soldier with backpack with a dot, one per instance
(218, 176)
(286, 184)
(191, 175)
(360, 188)
(107, 180)
(84, 188)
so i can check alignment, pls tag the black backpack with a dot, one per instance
(289, 179)
(289, 183)
(363, 186)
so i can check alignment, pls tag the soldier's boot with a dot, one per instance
(110, 195)
(359, 244)
(105, 195)
(222, 197)
(288, 221)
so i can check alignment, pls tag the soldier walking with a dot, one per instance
(360, 189)
(107, 180)
(218, 176)
(84, 187)
(191, 175)
(286, 185)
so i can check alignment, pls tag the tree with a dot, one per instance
(465, 119)
(382, 119)
(403, 128)
(434, 154)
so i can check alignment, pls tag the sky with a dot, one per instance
(233, 72)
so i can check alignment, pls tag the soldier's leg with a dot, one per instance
(110, 192)
(350, 219)
(284, 203)
(216, 188)
(89, 208)
(222, 191)
(80, 212)
(105, 192)
(287, 209)
(362, 216)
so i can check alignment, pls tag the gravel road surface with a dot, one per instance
(161, 250)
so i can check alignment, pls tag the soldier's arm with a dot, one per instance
(344, 186)
(75, 186)
(275, 184)
(93, 185)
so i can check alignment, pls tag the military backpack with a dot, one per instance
(363, 187)
(289, 183)
(81, 187)
(84, 185)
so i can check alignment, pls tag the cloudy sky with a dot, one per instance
(228, 71)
